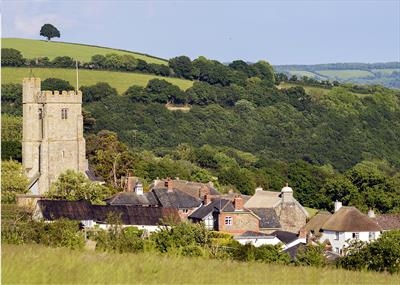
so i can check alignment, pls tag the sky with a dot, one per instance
(280, 32)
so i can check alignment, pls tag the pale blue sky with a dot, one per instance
(281, 32)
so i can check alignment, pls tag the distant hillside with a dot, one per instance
(41, 48)
(386, 74)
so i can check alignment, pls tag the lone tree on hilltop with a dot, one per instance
(49, 31)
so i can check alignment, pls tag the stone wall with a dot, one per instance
(291, 216)
(242, 221)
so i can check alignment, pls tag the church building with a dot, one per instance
(52, 139)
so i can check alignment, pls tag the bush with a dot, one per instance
(11, 57)
(380, 255)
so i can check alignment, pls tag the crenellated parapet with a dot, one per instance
(59, 97)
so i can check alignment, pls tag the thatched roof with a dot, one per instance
(316, 222)
(350, 219)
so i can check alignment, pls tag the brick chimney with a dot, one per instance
(204, 190)
(238, 203)
(168, 183)
(207, 199)
(303, 233)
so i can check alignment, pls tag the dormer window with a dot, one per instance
(64, 113)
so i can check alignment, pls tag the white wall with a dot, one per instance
(344, 238)
(258, 241)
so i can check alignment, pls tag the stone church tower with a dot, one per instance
(52, 139)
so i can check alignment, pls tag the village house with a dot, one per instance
(348, 224)
(277, 210)
(226, 215)
(90, 216)
(167, 196)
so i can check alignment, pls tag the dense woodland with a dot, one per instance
(237, 129)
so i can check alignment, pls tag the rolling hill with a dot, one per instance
(119, 80)
(386, 74)
(41, 48)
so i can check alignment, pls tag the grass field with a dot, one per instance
(315, 92)
(345, 74)
(386, 71)
(39, 265)
(119, 80)
(40, 48)
(300, 73)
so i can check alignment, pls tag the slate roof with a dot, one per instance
(131, 198)
(292, 251)
(268, 218)
(57, 209)
(188, 187)
(83, 210)
(350, 219)
(388, 221)
(284, 236)
(92, 176)
(203, 211)
(317, 221)
(175, 199)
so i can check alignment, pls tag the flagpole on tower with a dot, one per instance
(77, 75)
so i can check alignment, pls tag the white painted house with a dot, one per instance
(348, 224)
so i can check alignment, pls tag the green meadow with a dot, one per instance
(345, 74)
(34, 264)
(41, 48)
(119, 80)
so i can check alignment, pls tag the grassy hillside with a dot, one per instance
(120, 80)
(386, 74)
(40, 265)
(41, 48)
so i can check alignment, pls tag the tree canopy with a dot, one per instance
(49, 31)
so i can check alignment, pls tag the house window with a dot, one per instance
(356, 235)
(185, 211)
(228, 221)
(64, 113)
(337, 250)
(336, 235)
(371, 235)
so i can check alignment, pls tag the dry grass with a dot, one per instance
(40, 265)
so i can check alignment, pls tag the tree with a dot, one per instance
(13, 181)
(49, 31)
(56, 84)
(74, 186)
(11, 57)
(97, 92)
